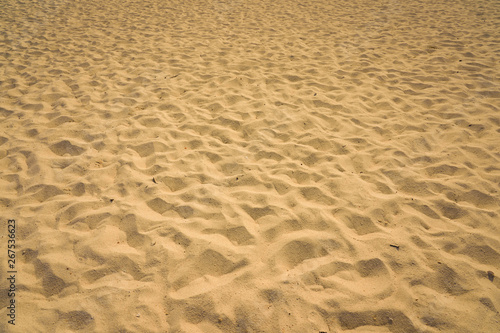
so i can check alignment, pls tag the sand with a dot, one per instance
(251, 166)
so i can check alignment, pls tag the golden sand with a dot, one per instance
(251, 166)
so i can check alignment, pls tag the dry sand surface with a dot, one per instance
(251, 166)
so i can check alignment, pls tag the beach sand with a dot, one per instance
(251, 166)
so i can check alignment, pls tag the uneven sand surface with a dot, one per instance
(251, 166)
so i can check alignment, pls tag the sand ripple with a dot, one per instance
(252, 166)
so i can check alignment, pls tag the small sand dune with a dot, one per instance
(251, 166)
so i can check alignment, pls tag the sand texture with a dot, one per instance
(251, 166)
